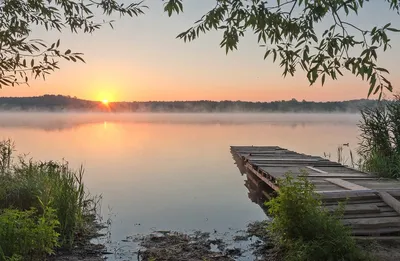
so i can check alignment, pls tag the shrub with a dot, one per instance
(26, 234)
(304, 229)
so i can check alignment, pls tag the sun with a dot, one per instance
(105, 102)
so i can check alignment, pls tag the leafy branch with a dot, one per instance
(17, 18)
(287, 30)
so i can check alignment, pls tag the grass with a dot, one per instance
(43, 196)
(304, 230)
(380, 139)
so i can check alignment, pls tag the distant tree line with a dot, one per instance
(66, 103)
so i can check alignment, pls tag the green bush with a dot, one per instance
(27, 234)
(304, 229)
(380, 139)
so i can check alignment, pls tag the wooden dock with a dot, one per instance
(372, 209)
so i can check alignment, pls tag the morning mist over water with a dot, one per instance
(171, 171)
(59, 121)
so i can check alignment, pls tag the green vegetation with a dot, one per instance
(62, 103)
(380, 139)
(304, 230)
(27, 234)
(43, 205)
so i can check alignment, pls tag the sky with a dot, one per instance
(141, 59)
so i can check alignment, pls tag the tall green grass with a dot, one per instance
(380, 139)
(46, 187)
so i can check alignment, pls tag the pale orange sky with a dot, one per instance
(141, 60)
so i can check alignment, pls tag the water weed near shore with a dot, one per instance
(44, 206)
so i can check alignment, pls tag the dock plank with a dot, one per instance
(354, 209)
(345, 184)
(385, 222)
(390, 200)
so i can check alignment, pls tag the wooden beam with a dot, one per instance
(317, 170)
(305, 159)
(345, 184)
(334, 175)
(337, 195)
(346, 192)
(374, 231)
(371, 215)
(375, 223)
(390, 200)
(383, 238)
(356, 208)
(267, 181)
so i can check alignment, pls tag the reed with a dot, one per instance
(52, 186)
(380, 139)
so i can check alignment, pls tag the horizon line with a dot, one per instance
(149, 101)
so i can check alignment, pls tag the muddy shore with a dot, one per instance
(249, 244)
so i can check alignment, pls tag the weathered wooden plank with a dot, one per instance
(332, 175)
(377, 200)
(356, 209)
(340, 195)
(269, 183)
(302, 164)
(252, 146)
(383, 238)
(317, 170)
(379, 183)
(325, 187)
(390, 200)
(269, 152)
(264, 149)
(295, 160)
(340, 169)
(381, 186)
(327, 164)
(361, 223)
(282, 164)
(346, 184)
(371, 215)
(375, 231)
(366, 178)
(393, 192)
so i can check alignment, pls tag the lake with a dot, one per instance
(171, 171)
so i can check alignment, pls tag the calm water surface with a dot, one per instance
(171, 171)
